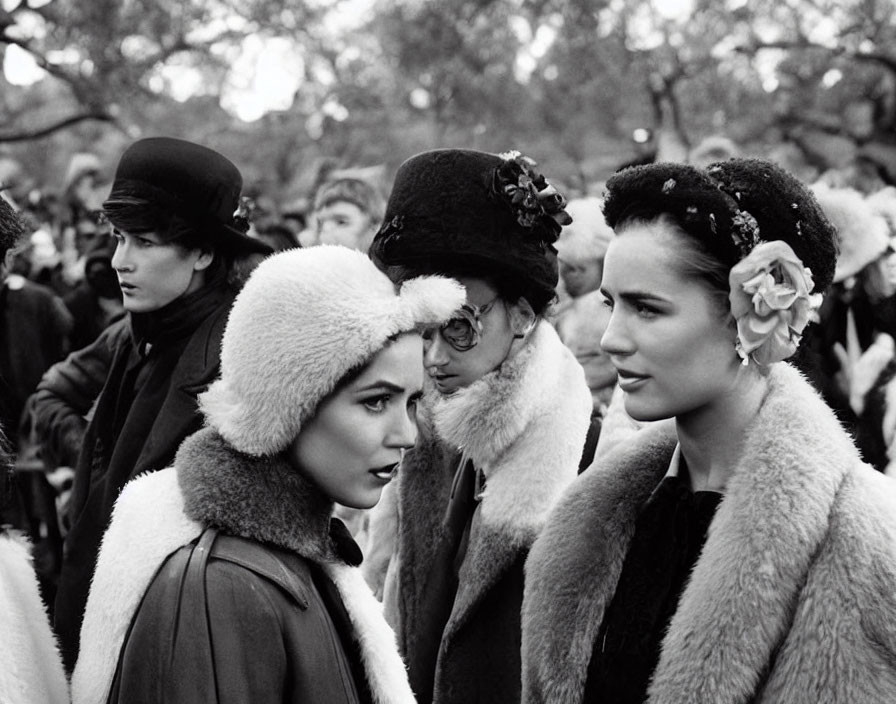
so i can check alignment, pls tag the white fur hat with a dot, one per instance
(862, 233)
(883, 202)
(303, 320)
(588, 236)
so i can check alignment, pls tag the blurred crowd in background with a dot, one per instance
(60, 291)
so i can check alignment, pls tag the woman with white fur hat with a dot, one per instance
(224, 578)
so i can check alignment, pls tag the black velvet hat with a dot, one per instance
(729, 207)
(189, 180)
(458, 211)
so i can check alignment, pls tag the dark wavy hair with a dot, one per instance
(726, 209)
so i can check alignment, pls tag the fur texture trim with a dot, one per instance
(303, 320)
(262, 498)
(385, 670)
(30, 664)
(258, 498)
(149, 514)
(801, 550)
(524, 426)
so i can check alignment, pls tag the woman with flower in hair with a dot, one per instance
(741, 551)
(503, 425)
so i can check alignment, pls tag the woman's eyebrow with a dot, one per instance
(635, 295)
(382, 384)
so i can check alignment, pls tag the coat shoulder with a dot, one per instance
(289, 572)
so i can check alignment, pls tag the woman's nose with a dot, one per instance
(435, 353)
(403, 433)
(120, 258)
(615, 339)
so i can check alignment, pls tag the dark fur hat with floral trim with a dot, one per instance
(465, 212)
(730, 207)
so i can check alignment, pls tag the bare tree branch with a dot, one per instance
(885, 60)
(29, 135)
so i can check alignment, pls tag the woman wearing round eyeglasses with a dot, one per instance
(502, 428)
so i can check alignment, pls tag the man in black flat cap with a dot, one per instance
(175, 211)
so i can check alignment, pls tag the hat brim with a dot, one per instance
(242, 244)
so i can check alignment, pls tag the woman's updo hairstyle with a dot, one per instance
(728, 208)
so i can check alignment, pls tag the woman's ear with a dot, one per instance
(522, 318)
(205, 259)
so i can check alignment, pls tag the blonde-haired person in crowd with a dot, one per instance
(582, 318)
(347, 210)
(223, 578)
(846, 353)
(741, 551)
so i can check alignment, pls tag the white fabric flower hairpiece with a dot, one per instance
(771, 301)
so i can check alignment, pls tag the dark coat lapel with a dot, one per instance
(491, 554)
(179, 414)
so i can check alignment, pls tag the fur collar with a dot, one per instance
(262, 498)
(30, 665)
(763, 539)
(484, 418)
(148, 513)
(524, 427)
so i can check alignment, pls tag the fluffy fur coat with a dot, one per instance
(793, 598)
(30, 664)
(262, 499)
(524, 427)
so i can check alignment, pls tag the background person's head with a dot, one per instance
(491, 222)
(347, 211)
(175, 209)
(321, 360)
(582, 246)
(863, 236)
(707, 278)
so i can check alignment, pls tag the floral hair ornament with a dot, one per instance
(771, 302)
(531, 196)
(243, 213)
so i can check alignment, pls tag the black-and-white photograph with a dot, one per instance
(447, 352)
